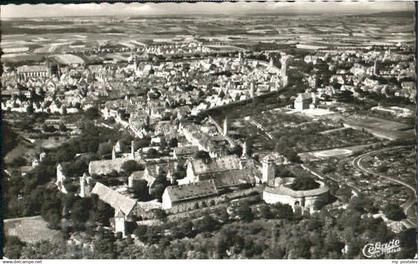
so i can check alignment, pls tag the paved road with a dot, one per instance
(357, 163)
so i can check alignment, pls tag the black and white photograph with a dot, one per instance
(240, 130)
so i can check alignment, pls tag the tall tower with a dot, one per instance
(277, 86)
(225, 126)
(268, 171)
(283, 70)
(244, 150)
(252, 90)
(132, 150)
(271, 62)
(113, 153)
(375, 68)
(61, 178)
(119, 224)
(84, 186)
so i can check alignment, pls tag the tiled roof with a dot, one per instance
(137, 175)
(185, 150)
(282, 190)
(234, 178)
(192, 191)
(225, 163)
(32, 68)
(114, 198)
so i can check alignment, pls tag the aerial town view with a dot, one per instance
(209, 131)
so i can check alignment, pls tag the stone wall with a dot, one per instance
(210, 201)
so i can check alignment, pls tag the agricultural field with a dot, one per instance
(31, 229)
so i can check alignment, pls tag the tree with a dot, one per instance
(80, 211)
(18, 161)
(282, 211)
(292, 156)
(408, 243)
(236, 150)
(206, 224)
(363, 204)
(103, 246)
(344, 193)
(265, 211)
(173, 142)
(283, 172)
(141, 232)
(332, 243)
(62, 127)
(244, 212)
(203, 155)
(141, 190)
(152, 153)
(302, 249)
(383, 168)
(160, 214)
(91, 113)
(131, 166)
(30, 109)
(304, 183)
(13, 247)
(102, 212)
(104, 148)
(49, 129)
(394, 212)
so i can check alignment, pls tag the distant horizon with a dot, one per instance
(26, 11)
(199, 14)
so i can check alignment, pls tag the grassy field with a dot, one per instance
(23, 149)
(31, 229)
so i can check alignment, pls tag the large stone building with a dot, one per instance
(127, 210)
(227, 166)
(29, 71)
(303, 101)
(123, 205)
(304, 200)
(186, 193)
(185, 152)
(210, 182)
(152, 172)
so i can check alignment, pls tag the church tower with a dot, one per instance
(225, 126)
(376, 68)
(268, 171)
(133, 154)
(119, 223)
(85, 186)
(113, 153)
(252, 90)
(244, 151)
(283, 69)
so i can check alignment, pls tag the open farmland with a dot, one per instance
(31, 229)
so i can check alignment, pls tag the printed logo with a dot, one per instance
(378, 249)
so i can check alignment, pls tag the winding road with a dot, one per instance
(412, 192)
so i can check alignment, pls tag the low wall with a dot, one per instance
(210, 201)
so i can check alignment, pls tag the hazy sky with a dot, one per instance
(122, 9)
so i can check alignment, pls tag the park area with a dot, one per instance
(31, 229)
